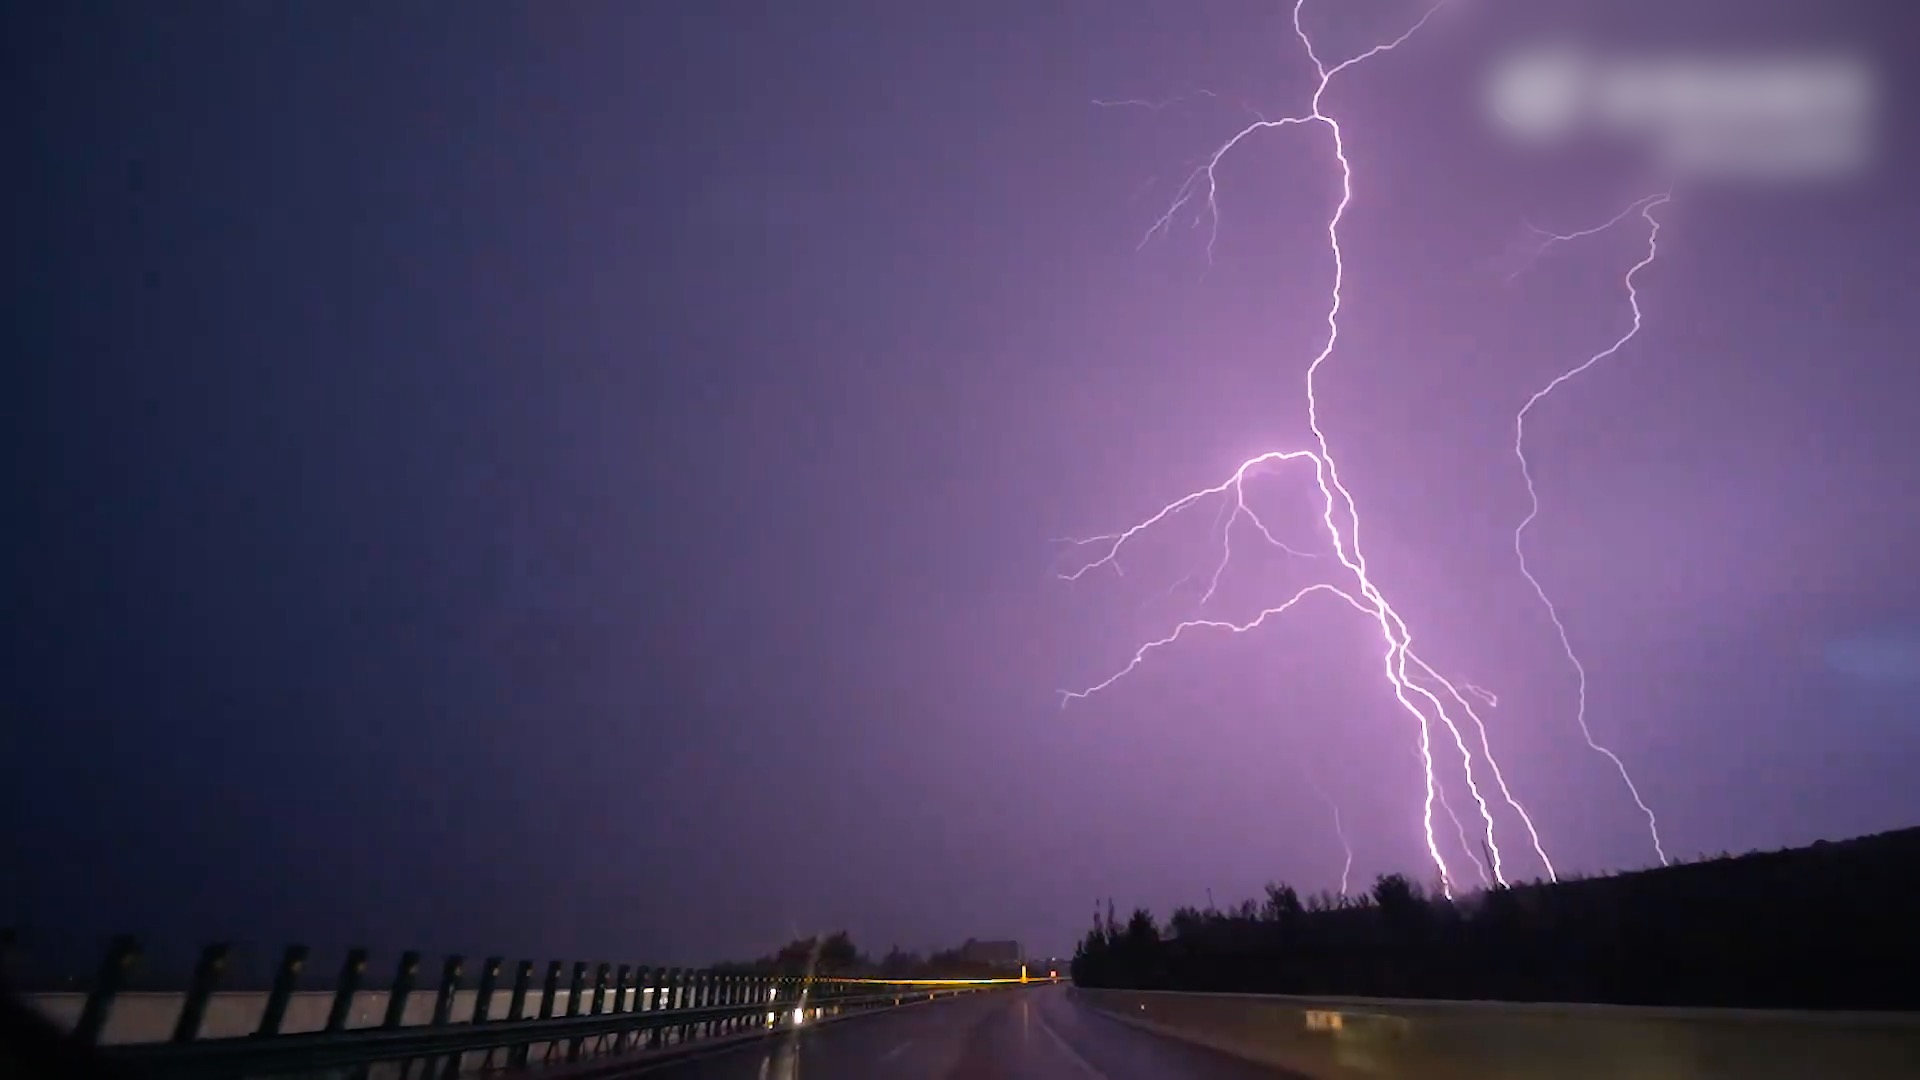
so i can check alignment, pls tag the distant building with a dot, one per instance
(1000, 954)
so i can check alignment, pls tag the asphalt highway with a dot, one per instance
(1036, 1033)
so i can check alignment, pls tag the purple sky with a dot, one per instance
(581, 479)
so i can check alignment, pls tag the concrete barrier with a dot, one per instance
(1384, 1039)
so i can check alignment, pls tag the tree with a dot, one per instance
(838, 955)
(1185, 923)
(1282, 905)
(898, 964)
(1142, 932)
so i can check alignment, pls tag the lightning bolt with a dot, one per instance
(1339, 830)
(1460, 830)
(1400, 664)
(1488, 696)
(1645, 208)
(1151, 106)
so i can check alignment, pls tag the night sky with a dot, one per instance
(583, 479)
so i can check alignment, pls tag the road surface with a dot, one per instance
(1037, 1033)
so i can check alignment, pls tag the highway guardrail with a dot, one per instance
(463, 1021)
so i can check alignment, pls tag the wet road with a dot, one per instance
(1032, 1034)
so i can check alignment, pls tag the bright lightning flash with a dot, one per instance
(1645, 207)
(1339, 830)
(1407, 675)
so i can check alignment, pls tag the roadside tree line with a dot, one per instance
(1833, 926)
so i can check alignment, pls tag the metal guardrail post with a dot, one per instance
(449, 985)
(517, 1010)
(620, 1003)
(548, 996)
(522, 981)
(657, 981)
(483, 997)
(396, 1016)
(403, 978)
(709, 997)
(702, 997)
(350, 975)
(576, 992)
(285, 979)
(688, 1000)
(579, 1005)
(682, 1000)
(696, 991)
(442, 1015)
(577, 988)
(551, 990)
(122, 953)
(206, 976)
(601, 1003)
(482, 1001)
(482, 1005)
(643, 979)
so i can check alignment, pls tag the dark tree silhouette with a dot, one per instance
(833, 955)
(836, 954)
(1825, 927)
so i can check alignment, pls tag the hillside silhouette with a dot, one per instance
(1832, 926)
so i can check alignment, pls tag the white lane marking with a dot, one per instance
(1085, 1066)
(895, 1052)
